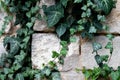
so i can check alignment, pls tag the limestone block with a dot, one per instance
(42, 46)
(2, 49)
(44, 43)
(115, 59)
(42, 25)
(113, 20)
(87, 58)
(72, 75)
(2, 15)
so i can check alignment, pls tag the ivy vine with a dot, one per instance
(16, 64)
(68, 17)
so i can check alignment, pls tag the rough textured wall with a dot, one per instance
(79, 53)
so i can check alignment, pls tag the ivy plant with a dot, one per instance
(16, 64)
(71, 16)
(87, 17)
(68, 17)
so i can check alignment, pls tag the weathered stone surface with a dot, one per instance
(2, 49)
(115, 59)
(113, 20)
(42, 25)
(2, 15)
(87, 58)
(42, 51)
(42, 46)
(72, 75)
(72, 60)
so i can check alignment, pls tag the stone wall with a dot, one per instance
(80, 52)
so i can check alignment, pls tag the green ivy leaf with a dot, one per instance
(28, 14)
(56, 76)
(84, 7)
(29, 24)
(88, 12)
(101, 18)
(63, 43)
(55, 54)
(84, 14)
(98, 59)
(115, 75)
(34, 9)
(28, 3)
(61, 29)
(63, 51)
(6, 70)
(109, 46)
(16, 66)
(105, 5)
(10, 76)
(98, 25)
(92, 29)
(20, 57)
(96, 46)
(33, 19)
(38, 76)
(26, 39)
(70, 20)
(105, 58)
(54, 13)
(72, 39)
(19, 77)
(72, 31)
(46, 71)
(77, 1)
(110, 36)
(64, 2)
(2, 77)
(87, 73)
(80, 28)
(52, 63)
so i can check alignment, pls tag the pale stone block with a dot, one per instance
(113, 20)
(87, 58)
(44, 43)
(42, 46)
(115, 58)
(72, 75)
(2, 15)
(2, 49)
(42, 25)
